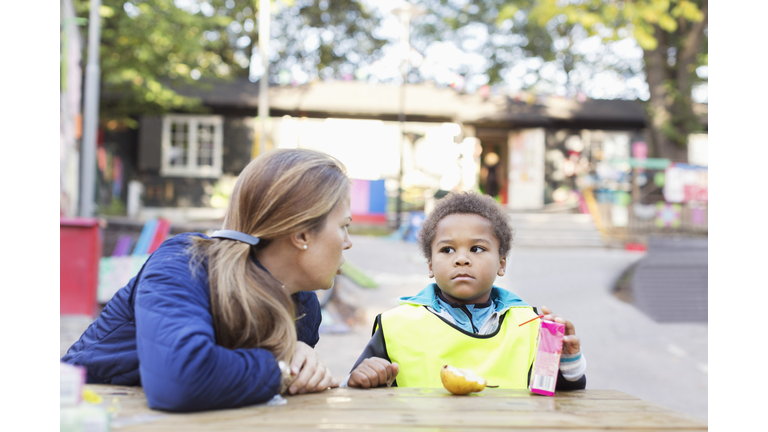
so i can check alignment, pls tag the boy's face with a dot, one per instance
(465, 258)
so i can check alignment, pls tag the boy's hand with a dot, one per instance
(373, 372)
(571, 343)
(310, 373)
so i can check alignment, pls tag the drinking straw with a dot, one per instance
(540, 316)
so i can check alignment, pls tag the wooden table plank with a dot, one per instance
(488, 392)
(411, 409)
(470, 420)
(374, 428)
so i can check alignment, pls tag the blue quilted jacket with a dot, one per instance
(157, 332)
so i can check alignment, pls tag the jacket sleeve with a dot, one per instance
(563, 384)
(181, 366)
(375, 348)
(309, 317)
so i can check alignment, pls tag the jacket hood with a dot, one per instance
(502, 299)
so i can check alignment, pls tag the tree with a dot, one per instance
(672, 35)
(323, 39)
(150, 47)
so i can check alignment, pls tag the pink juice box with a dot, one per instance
(547, 363)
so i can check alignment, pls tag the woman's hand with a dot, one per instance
(373, 372)
(311, 374)
(571, 343)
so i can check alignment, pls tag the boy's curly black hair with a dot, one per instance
(467, 203)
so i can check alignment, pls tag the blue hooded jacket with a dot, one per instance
(157, 332)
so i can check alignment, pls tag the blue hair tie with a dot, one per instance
(236, 235)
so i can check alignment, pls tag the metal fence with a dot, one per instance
(635, 223)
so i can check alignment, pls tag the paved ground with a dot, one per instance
(625, 350)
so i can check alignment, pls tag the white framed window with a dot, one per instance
(191, 145)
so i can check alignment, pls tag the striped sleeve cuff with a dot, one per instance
(573, 366)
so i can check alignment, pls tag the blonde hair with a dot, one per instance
(277, 194)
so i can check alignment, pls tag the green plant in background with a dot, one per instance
(115, 208)
(370, 230)
(357, 275)
(222, 190)
(151, 48)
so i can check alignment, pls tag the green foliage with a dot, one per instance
(150, 47)
(357, 275)
(512, 31)
(639, 16)
(222, 191)
(549, 29)
(115, 208)
(326, 39)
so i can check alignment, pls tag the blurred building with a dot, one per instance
(355, 122)
(529, 152)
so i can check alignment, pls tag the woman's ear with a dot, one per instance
(301, 239)
(502, 266)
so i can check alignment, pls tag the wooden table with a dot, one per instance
(410, 409)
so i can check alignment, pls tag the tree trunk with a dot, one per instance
(689, 45)
(660, 105)
(670, 107)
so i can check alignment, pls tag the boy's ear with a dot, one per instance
(502, 266)
(431, 273)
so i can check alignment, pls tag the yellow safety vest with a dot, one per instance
(420, 342)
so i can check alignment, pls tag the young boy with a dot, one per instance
(462, 319)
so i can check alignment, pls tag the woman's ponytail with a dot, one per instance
(251, 308)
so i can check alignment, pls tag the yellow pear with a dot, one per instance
(461, 381)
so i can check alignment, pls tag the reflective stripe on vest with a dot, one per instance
(421, 343)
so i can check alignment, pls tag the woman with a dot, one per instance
(231, 320)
